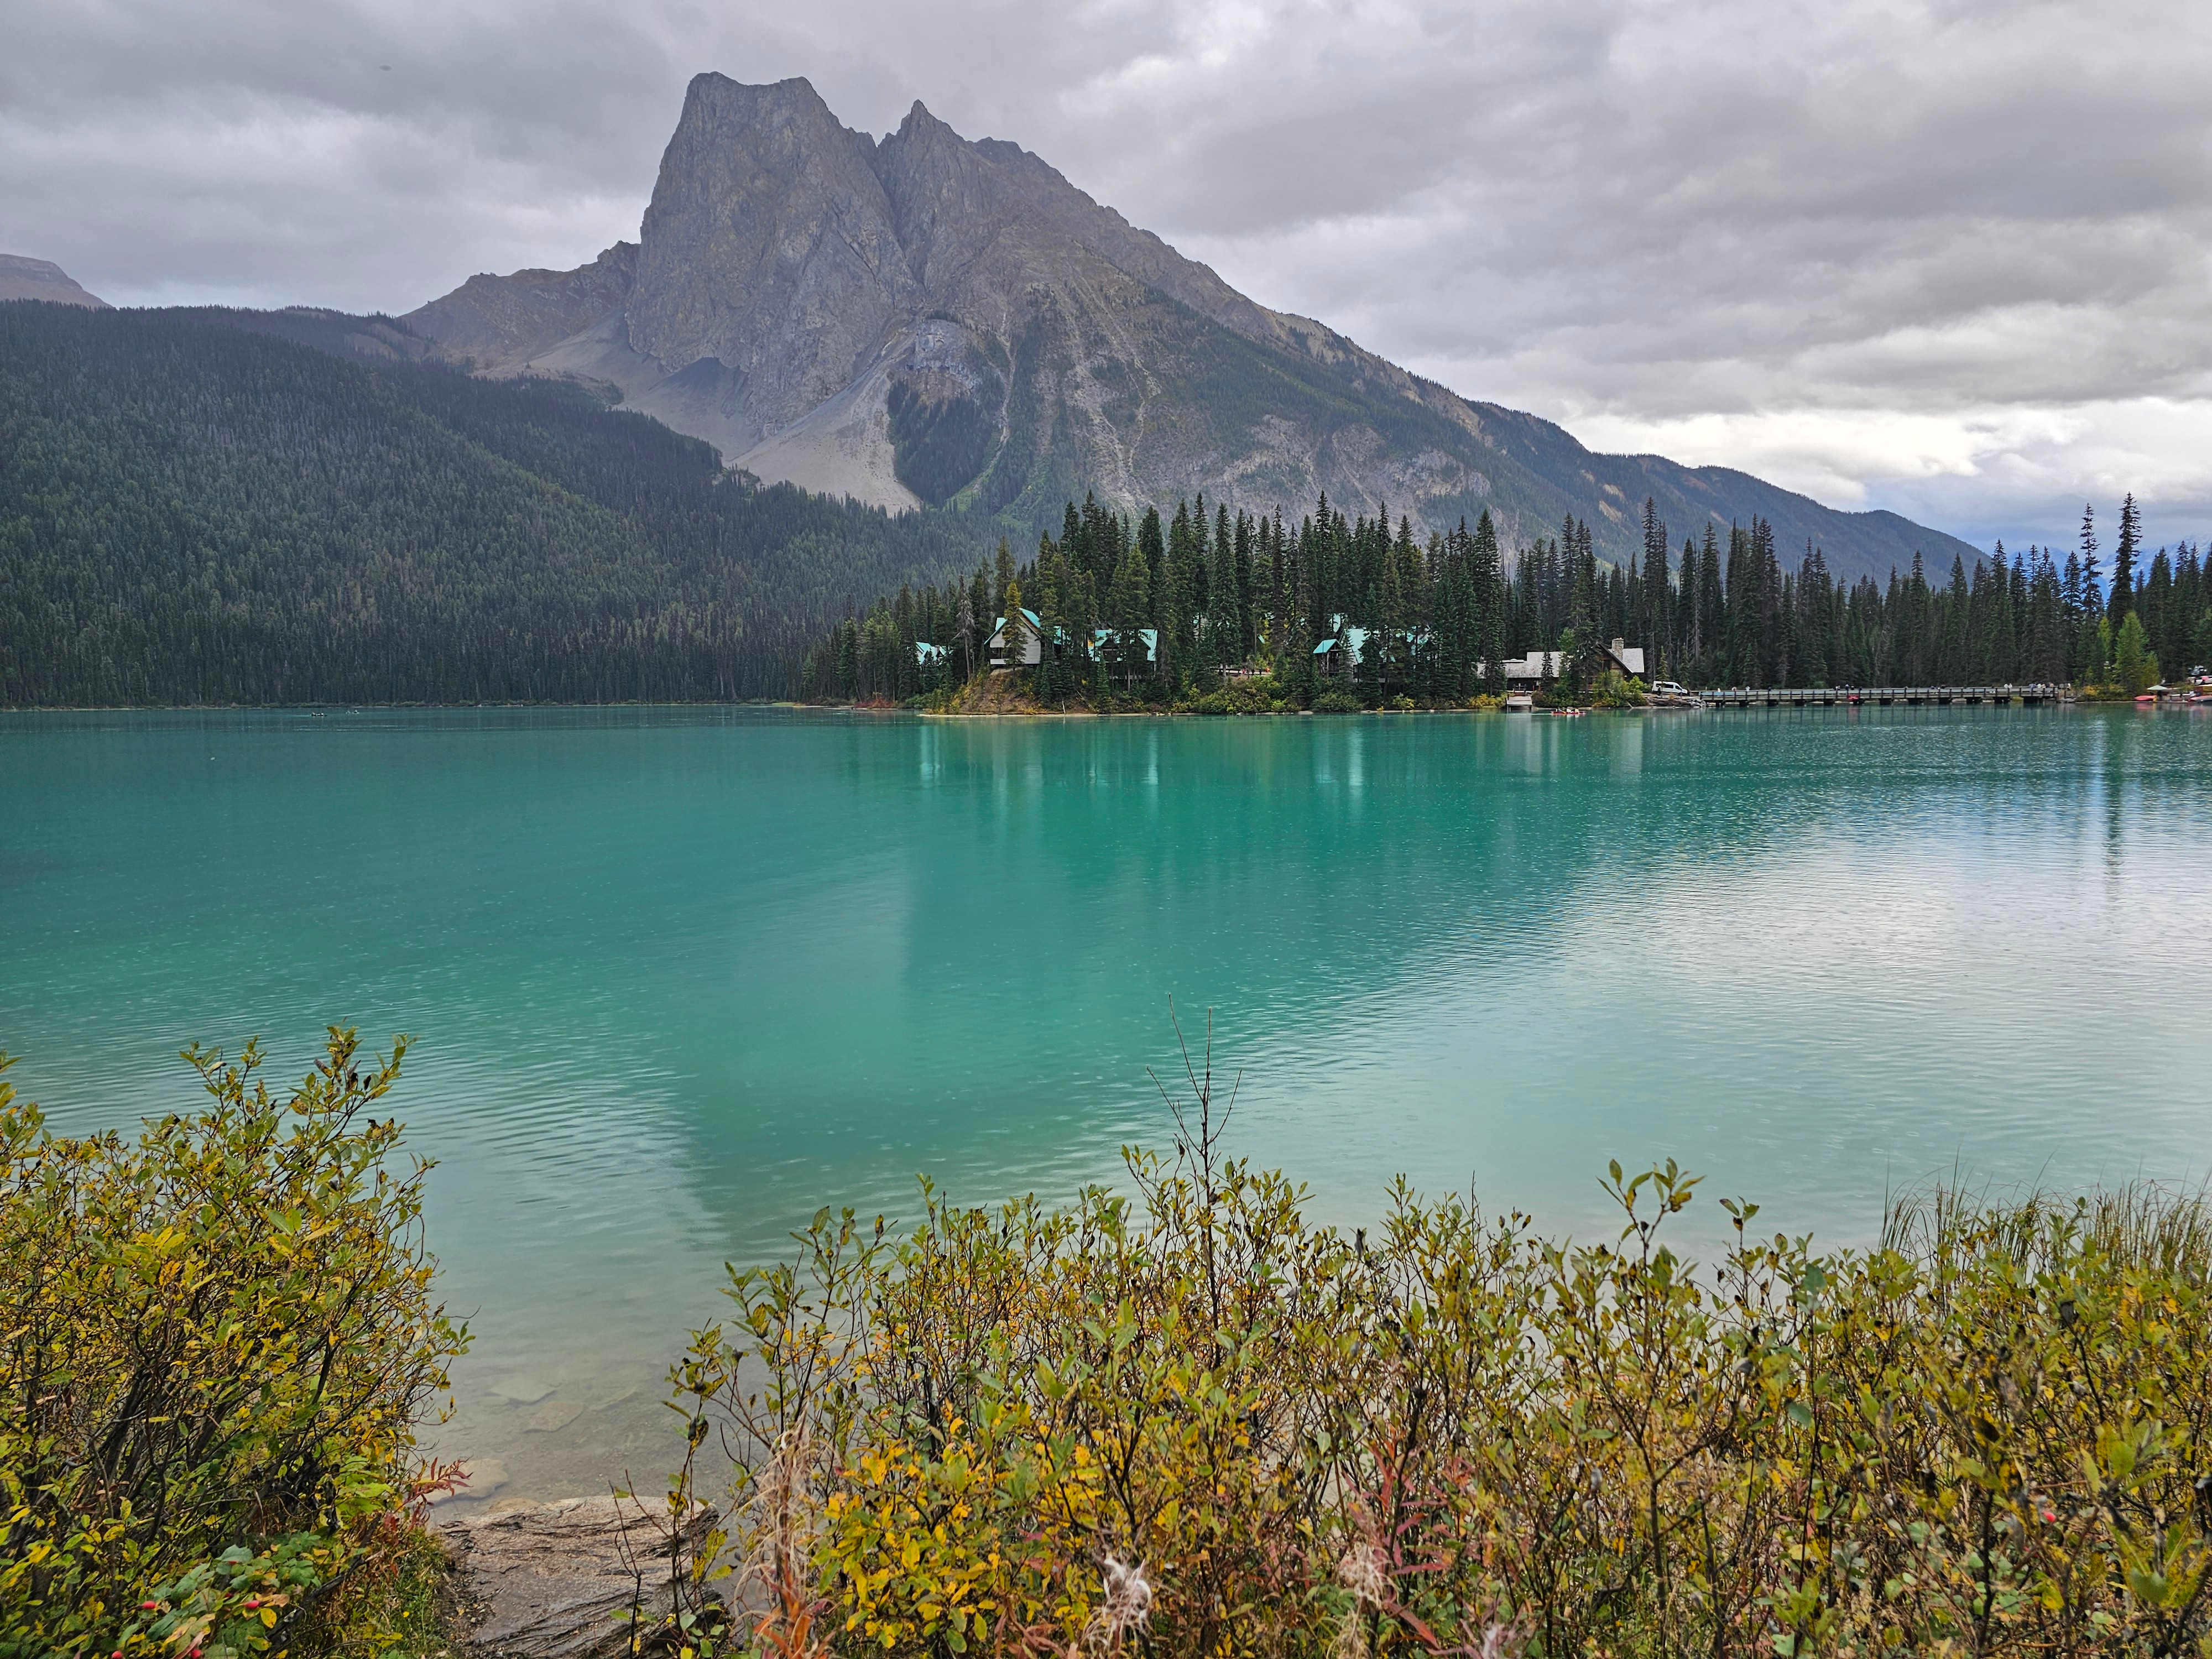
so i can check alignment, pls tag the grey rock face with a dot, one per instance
(500, 319)
(22, 278)
(548, 1581)
(929, 318)
(769, 247)
(802, 296)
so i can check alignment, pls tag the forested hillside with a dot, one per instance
(194, 509)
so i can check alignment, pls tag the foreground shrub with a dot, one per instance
(217, 1340)
(1186, 1415)
(1253, 696)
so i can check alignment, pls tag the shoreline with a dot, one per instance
(884, 709)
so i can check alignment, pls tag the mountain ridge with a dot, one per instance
(24, 278)
(928, 319)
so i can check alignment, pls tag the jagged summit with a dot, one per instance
(929, 318)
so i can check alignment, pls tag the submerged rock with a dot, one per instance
(552, 1581)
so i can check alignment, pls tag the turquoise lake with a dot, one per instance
(676, 978)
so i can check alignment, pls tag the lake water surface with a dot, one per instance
(676, 978)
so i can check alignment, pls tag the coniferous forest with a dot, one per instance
(195, 510)
(1439, 616)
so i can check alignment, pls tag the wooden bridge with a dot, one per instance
(1827, 697)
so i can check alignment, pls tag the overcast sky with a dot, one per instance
(1950, 258)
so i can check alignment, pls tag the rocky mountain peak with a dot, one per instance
(926, 317)
(767, 247)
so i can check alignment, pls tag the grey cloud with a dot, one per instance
(1801, 224)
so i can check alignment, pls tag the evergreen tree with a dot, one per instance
(1711, 637)
(1074, 542)
(848, 658)
(1745, 606)
(2124, 559)
(2093, 648)
(1487, 583)
(1655, 624)
(965, 627)
(2093, 590)
(2190, 599)
(1814, 593)
(987, 611)
(1132, 609)
(1581, 639)
(1222, 628)
(1082, 625)
(1997, 648)
(2133, 664)
(1016, 639)
(2155, 603)
(1233, 561)
(1951, 651)
(1054, 659)
(1153, 555)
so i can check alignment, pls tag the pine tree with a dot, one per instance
(1581, 638)
(1053, 631)
(1232, 569)
(848, 658)
(1074, 542)
(1225, 629)
(2133, 664)
(1999, 655)
(2124, 559)
(2093, 590)
(1950, 664)
(1151, 546)
(1711, 637)
(1082, 625)
(1133, 608)
(1813, 596)
(2154, 604)
(1017, 636)
(1486, 580)
(965, 627)
(1657, 593)
(2093, 648)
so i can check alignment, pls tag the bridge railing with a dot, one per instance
(1783, 696)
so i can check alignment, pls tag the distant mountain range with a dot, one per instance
(929, 319)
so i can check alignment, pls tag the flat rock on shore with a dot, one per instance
(548, 1581)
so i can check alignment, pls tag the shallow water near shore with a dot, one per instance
(676, 978)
